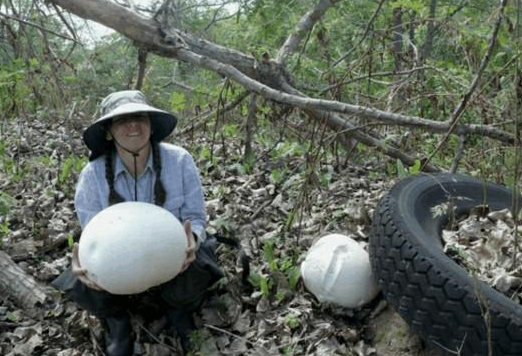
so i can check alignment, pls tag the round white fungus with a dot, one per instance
(130, 247)
(337, 270)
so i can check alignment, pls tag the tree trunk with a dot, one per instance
(430, 32)
(397, 38)
(142, 66)
(20, 287)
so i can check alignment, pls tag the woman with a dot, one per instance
(128, 163)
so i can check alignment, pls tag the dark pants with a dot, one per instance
(186, 290)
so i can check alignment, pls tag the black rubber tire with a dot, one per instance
(431, 292)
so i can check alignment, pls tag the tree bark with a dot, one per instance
(20, 287)
(265, 77)
(142, 65)
(305, 25)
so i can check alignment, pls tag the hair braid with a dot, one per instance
(114, 197)
(160, 195)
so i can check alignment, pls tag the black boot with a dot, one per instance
(183, 323)
(118, 340)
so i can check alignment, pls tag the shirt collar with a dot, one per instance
(119, 167)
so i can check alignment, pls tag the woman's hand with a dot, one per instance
(191, 246)
(81, 273)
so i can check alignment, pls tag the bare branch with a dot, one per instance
(200, 120)
(458, 155)
(304, 25)
(243, 69)
(459, 110)
(330, 105)
(41, 28)
(365, 33)
(346, 130)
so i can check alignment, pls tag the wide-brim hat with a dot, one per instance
(123, 103)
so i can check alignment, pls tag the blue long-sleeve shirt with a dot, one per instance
(179, 176)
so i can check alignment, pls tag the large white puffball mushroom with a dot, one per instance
(130, 247)
(337, 270)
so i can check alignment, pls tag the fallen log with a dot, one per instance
(21, 288)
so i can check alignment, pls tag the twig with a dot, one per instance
(459, 349)
(365, 33)
(260, 209)
(207, 116)
(458, 154)
(486, 314)
(213, 57)
(215, 18)
(153, 337)
(41, 28)
(372, 76)
(339, 123)
(234, 335)
(459, 110)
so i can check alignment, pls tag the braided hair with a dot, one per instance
(160, 195)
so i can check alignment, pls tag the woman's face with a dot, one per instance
(131, 131)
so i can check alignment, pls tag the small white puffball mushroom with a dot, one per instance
(130, 247)
(337, 270)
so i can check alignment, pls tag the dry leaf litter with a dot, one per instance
(38, 174)
(489, 246)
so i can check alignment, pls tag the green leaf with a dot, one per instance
(415, 169)
(177, 101)
(6, 201)
(268, 250)
(4, 228)
(70, 240)
(263, 286)
(66, 170)
(230, 129)
(415, 5)
(277, 175)
(401, 171)
(12, 316)
(294, 274)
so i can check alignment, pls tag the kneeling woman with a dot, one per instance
(128, 163)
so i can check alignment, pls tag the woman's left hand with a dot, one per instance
(191, 246)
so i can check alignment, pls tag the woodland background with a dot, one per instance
(300, 114)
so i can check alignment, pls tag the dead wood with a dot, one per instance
(22, 288)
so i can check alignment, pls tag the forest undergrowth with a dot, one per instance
(276, 207)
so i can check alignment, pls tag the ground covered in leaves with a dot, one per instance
(277, 208)
(487, 243)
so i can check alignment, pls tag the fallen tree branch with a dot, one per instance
(23, 289)
(243, 69)
(346, 130)
(335, 106)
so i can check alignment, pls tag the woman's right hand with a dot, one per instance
(81, 273)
